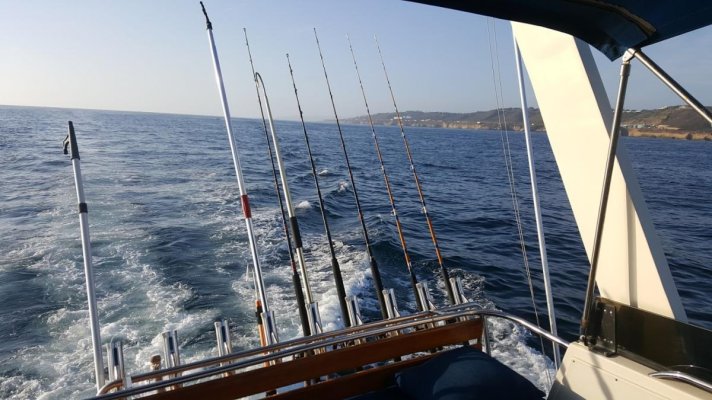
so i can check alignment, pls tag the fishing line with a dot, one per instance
(375, 273)
(335, 268)
(399, 227)
(295, 275)
(504, 136)
(431, 229)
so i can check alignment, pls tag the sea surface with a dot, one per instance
(169, 243)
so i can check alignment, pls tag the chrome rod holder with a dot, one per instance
(314, 318)
(222, 335)
(115, 361)
(426, 299)
(354, 310)
(456, 284)
(485, 336)
(270, 327)
(391, 306)
(171, 352)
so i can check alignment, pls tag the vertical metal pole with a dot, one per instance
(71, 143)
(537, 207)
(244, 200)
(603, 204)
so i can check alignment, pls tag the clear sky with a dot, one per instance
(154, 56)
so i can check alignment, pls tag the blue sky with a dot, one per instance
(154, 56)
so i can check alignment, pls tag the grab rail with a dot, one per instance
(302, 345)
(683, 377)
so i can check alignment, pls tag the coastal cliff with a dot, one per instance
(675, 122)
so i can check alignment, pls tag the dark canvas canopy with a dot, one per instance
(612, 26)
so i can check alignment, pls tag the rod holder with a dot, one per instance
(391, 306)
(486, 340)
(426, 299)
(314, 318)
(354, 310)
(270, 327)
(222, 335)
(456, 284)
(115, 361)
(171, 352)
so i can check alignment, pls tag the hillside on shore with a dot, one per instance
(679, 122)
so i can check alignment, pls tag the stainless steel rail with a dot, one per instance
(299, 346)
(683, 377)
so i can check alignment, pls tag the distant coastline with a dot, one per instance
(674, 122)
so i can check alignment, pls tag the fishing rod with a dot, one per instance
(431, 228)
(375, 273)
(313, 310)
(295, 275)
(335, 268)
(399, 227)
(265, 315)
(71, 148)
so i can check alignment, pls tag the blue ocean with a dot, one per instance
(170, 247)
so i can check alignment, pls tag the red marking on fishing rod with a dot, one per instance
(245, 206)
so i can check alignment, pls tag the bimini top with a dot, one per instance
(611, 26)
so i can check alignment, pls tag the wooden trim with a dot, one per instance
(345, 359)
(353, 384)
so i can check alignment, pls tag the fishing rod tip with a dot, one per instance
(207, 20)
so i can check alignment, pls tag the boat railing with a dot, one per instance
(228, 364)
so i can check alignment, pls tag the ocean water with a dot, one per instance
(170, 250)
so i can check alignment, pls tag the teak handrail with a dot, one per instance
(344, 359)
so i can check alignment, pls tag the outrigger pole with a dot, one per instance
(399, 227)
(335, 268)
(313, 310)
(70, 142)
(267, 317)
(375, 273)
(535, 200)
(295, 275)
(431, 229)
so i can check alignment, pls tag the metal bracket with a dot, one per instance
(605, 340)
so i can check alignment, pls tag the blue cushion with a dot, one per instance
(389, 393)
(465, 373)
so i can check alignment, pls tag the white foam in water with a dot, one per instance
(324, 172)
(137, 301)
(303, 205)
(343, 186)
(509, 340)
